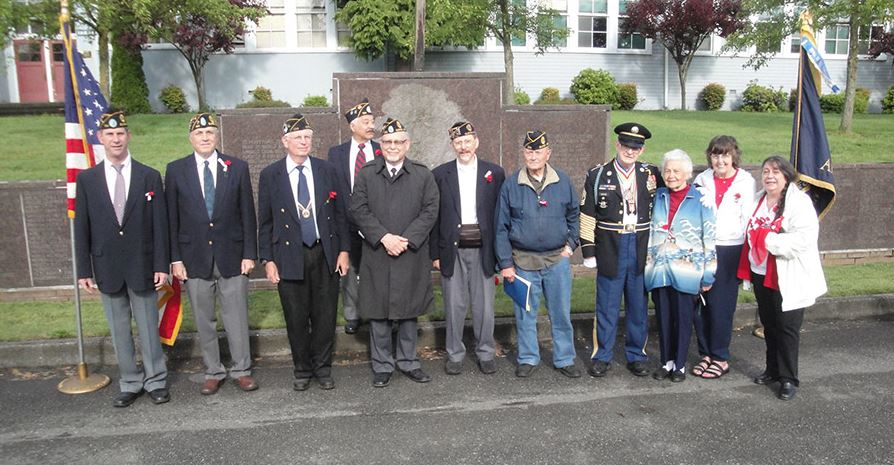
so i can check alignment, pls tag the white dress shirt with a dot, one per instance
(292, 169)
(112, 175)
(200, 167)
(352, 156)
(468, 187)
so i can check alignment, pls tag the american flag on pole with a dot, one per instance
(84, 104)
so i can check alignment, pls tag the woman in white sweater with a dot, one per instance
(781, 258)
(730, 190)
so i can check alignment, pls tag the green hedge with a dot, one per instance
(594, 87)
(713, 96)
(129, 90)
(549, 96)
(522, 97)
(834, 103)
(173, 99)
(888, 101)
(627, 97)
(758, 98)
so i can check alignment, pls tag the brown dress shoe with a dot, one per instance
(211, 386)
(246, 383)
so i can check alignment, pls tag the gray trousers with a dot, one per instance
(119, 308)
(233, 295)
(380, 345)
(350, 286)
(469, 288)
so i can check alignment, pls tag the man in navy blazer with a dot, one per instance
(214, 245)
(121, 247)
(348, 158)
(303, 245)
(462, 247)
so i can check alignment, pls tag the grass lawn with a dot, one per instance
(48, 320)
(34, 148)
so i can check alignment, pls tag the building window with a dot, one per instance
(794, 43)
(58, 52)
(560, 7)
(343, 32)
(837, 39)
(868, 36)
(631, 40)
(28, 52)
(592, 24)
(311, 15)
(271, 31)
(707, 45)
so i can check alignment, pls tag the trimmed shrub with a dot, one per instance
(522, 97)
(834, 103)
(758, 98)
(315, 101)
(129, 90)
(713, 96)
(568, 101)
(793, 99)
(262, 94)
(173, 99)
(888, 101)
(594, 87)
(627, 98)
(549, 96)
(264, 104)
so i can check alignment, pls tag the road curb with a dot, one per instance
(274, 343)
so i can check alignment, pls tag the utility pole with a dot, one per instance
(419, 55)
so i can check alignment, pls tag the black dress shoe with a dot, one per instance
(301, 384)
(787, 391)
(381, 380)
(524, 370)
(571, 371)
(351, 326)
(598, 369)
(678, 376)
(453, 368)
(661, 374)
(160, 396)
(326, 383)
(764, 378)
(124, 399)
(417, 375)
(487, 367)
(639, 368)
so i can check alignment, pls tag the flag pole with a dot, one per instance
(83, 382)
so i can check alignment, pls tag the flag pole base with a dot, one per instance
(83, 382)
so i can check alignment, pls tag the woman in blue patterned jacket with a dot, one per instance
(681, 260)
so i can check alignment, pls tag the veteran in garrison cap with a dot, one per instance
(124, 251)
(347, 159)
(303, 244)
(214, 245)
(462, 247)
(395, 206)
(536, 229)
(616, 207)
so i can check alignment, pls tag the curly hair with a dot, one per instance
(788, 172)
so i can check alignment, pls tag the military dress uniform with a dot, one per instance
(619, 247)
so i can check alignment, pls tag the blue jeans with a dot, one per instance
(553, 283)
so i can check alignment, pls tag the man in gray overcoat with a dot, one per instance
(395, 206)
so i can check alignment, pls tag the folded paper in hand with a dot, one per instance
(519, 291)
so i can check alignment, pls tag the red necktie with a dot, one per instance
(361, 160)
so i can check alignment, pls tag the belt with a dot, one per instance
(622, 228)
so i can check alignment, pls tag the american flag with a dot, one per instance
(84, 104)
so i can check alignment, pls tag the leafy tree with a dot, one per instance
(129, 90)
(780, 19)
(197, 28)
(681, 27)
(882, 43)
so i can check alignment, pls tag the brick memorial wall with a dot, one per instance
(36, 247)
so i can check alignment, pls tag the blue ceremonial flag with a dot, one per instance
(84, 104)
(810, 155)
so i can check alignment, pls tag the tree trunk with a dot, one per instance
(102, 38)
(197, 66)
(850, 88)
(682, 70)
(419, 54)
(509, 84)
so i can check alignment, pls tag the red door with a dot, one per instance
(32, 74)
(58, 53)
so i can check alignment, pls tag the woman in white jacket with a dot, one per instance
(781, 258)
(730, 190)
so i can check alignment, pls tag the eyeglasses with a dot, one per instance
(395, 143)
(718, 156)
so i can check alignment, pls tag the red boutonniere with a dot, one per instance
(665, 226)
(225, 164)
(543, 203)
(332, 195)
(149, 195)
(378, 152)
(489, 177)
(737, 197)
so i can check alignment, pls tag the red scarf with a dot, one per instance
(755, 247)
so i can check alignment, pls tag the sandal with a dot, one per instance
(701, 366)
(715, 370)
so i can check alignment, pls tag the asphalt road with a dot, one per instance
(843, 414)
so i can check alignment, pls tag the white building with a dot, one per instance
(295, 50)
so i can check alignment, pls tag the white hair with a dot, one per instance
(678, 155)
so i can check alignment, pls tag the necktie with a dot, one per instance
(393, 172)
(209, 190)
(305, 213)
(120, 196)
(361, 160)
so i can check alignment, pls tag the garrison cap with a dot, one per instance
(535, 140)
(392, 125)
(462, 128)
(358, 110)
(112, 120)
(632, 134)
(296, 123)
(202, 120)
